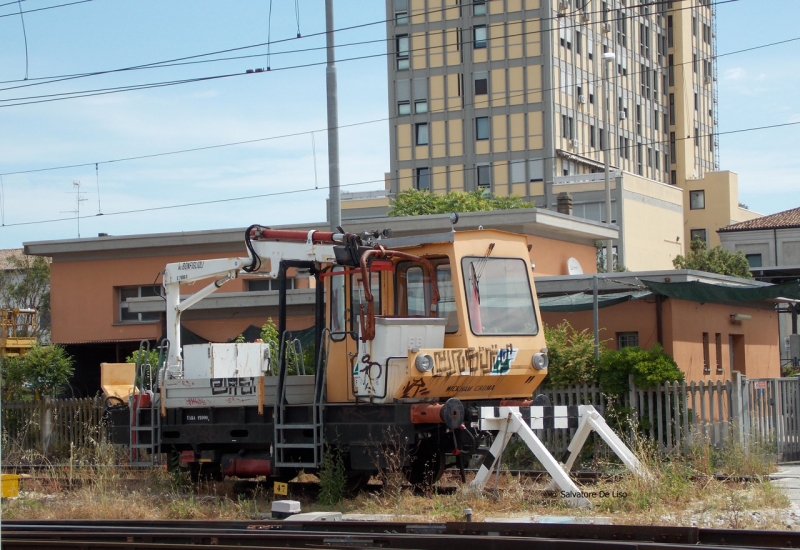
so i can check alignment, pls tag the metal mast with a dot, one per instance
(334, 201)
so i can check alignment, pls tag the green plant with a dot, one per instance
(44, 370)
(414, 202)
(571, 355)
(239, 339)
(716, 260)
(269, 335)
(332, 479)
(648, 367)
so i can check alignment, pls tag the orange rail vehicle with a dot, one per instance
(412, 337)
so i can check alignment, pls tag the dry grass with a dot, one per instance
(682, 491)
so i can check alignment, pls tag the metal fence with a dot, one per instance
(52, 425)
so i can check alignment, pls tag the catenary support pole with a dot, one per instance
(595, 318)
(334, 201)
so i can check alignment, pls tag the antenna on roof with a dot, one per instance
(78, 200)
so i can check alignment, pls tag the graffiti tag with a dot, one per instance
(415, 388)
(473, 361)
(234, 386)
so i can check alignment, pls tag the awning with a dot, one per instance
(585, 302)
(696, 291)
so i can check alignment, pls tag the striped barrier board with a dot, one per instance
(507, 421)
(559, 417)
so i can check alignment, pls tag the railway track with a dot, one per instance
(349, 535)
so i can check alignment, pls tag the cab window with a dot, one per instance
(358, 298)
(447, 299)
(499, 296)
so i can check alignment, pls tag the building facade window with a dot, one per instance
(129, 292)
(754, 260)
(422, 133)
(401, 12)
(627, 340)
(481, 86)
(479, 7)
(482, 127)
(260, 285)
(706, 355)
(403, 108)
(424, 179)
(402, 52)
(567, 127)
(718, 349)
(421, 106)
(479, 36)
(698, 234)
(484, 175)
(697, 200)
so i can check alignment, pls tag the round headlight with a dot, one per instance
(540, 361)
(423, 362)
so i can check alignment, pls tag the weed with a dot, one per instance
(332, 479)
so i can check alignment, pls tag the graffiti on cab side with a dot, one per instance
(473, 361)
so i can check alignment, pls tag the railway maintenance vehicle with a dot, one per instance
(413, 337)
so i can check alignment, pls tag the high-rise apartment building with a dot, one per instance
(509, 96)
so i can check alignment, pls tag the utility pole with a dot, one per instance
(334, 200)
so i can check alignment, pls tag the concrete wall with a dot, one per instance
(721, 205)
(85, 300)
(763, 241)
(550, 256)
(652, 223)
(683, 326)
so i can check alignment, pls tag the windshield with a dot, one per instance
(499, 298)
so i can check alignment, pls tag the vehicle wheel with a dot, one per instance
(427, 464)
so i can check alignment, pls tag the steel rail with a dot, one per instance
(476, 535)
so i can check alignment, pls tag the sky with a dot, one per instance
(283, 179)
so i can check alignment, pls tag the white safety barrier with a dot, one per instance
(523, 420)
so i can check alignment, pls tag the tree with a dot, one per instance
(716, 260)
(414, 202)
(27, 285)
(42, 371)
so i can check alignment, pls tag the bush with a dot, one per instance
(648, 367)
(571, 355)
(44, 370)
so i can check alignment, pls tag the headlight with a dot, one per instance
(423, 362)
(540, 361)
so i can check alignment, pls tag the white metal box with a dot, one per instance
(226, 360)
(394, 336)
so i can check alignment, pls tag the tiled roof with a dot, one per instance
(787, 218)
(5, 257)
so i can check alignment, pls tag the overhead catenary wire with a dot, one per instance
(46, 7)
(341, 126)
(47, 98)
(309, 189)
(178, 61)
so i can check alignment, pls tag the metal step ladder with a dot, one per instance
(288, 452)
(145, 414)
